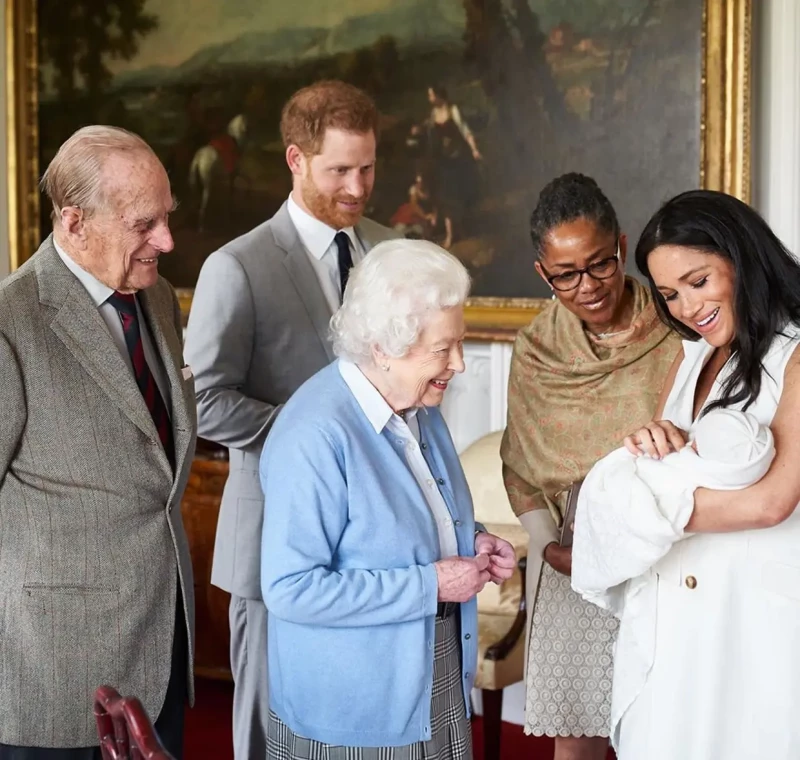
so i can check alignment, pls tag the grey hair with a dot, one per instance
(390, 296)
(75, 175)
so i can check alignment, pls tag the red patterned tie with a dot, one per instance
(125, 304)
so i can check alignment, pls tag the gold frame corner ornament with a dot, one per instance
(725, 150)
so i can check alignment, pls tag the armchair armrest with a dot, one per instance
(502, 648)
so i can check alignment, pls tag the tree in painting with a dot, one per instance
(482, 102)
(99, 30)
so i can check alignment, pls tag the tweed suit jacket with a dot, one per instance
(92, 546)
(258, 329)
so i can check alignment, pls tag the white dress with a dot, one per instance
(725, 681)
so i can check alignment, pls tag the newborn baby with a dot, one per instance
(731, 450)
(632, 509)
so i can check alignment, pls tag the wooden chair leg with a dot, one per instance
(492, 722)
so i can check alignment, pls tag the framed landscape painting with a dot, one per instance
(650, 97)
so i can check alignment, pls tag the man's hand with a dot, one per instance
(559, 557)
(460, 578)
(502, 560)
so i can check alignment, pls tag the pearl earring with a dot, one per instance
(385, 367)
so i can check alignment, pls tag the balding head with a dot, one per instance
(76, 177)
(111, 203)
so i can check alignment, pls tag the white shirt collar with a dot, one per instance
(374, 406)
(97, 291)
(315, 235)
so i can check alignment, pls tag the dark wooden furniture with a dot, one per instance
(200, 510)
(124, 728)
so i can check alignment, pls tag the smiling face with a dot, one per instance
(421, 377)
(120, 243)
(698, 288)
(581, 244)
(335, 185)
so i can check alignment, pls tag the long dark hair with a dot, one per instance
(766, 285)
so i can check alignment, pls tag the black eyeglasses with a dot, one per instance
(599, 270)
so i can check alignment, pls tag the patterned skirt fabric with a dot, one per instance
(570, 657)
(451, 737)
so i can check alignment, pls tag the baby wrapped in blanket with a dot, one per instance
(632, 509)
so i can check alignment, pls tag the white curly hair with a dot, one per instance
(390, 296)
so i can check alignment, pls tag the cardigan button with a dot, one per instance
(467, 636)
(440, 481)
(457, 523)
(424, 446)
(691, 582)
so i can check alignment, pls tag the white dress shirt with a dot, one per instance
(318, 240)
(99, 294)
(406, 432)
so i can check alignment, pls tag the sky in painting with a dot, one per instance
(185, 26)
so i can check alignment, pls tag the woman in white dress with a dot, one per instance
(725, 679)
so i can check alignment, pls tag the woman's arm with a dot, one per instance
(306, 514)
(466, 132)
(774, 498)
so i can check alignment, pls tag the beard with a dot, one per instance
(326, 207)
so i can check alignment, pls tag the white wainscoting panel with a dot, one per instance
(476, 401)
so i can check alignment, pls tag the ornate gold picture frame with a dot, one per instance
(724, 131)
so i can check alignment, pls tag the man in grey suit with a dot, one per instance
(97, 436)
(258, 329)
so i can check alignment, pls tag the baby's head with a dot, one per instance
(730, 437)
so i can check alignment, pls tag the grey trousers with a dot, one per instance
(248, 624)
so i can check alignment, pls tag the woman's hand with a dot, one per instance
(658, 438)
(559, 558)
(502, 559)
(460, 578)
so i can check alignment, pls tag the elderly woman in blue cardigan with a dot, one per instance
(371, 559)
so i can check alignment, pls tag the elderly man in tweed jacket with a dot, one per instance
(97, 435)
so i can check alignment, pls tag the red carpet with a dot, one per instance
(208, 730)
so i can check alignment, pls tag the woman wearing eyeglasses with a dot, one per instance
(589, 367)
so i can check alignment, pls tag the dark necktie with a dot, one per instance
(125, 304)
(345, 259)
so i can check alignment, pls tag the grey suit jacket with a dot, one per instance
(258, 329)
(92, 546)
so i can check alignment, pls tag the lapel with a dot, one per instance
(370, 240)
(303, 276)
(158, 310)
(79, 326)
